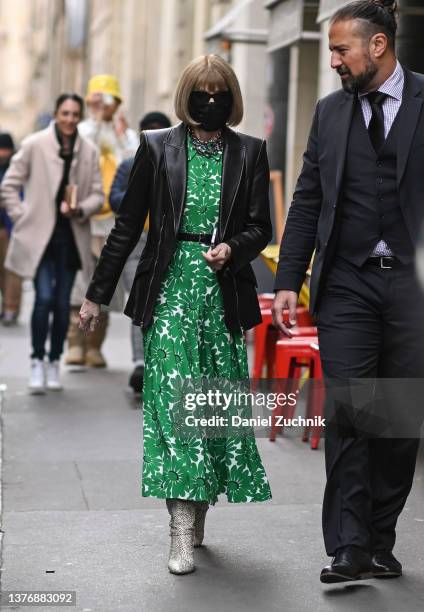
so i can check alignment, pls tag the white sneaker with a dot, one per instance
(53, 381)
(37, 383)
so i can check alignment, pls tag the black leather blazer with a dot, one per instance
(157, 186)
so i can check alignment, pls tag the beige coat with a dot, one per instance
(38, 169)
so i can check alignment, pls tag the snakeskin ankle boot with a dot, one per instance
(199, 523)
(182, 535)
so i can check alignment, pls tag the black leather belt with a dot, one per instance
(202, 238)
(387, 263)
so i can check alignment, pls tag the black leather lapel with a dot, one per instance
(232, 169)
(176, 170)
(409, 114)
(342, 121)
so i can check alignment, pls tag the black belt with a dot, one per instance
(202, 238)
(387, 263)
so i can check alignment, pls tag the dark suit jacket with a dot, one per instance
(157, 185)
(311, 220)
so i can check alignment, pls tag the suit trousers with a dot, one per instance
(371, 336)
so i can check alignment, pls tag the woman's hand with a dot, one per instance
(218, 256)
(67, 211)
(89, 316)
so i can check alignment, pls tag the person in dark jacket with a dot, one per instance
(205, 188)
(359, 203)
(151, 121)
(10, 283)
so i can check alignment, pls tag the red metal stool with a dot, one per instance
(266, 336)
(266, 300)
(300, 332)
(315, 406)
(290, 357)
(265, 303)
(297, 332)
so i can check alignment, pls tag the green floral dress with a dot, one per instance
(188, 339)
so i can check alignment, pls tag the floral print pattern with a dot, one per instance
(188, 339)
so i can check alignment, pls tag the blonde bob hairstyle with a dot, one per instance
(210, 71)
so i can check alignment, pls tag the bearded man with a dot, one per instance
(359, 203)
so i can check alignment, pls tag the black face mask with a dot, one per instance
(212, 116)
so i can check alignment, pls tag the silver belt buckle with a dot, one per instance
(382, 258)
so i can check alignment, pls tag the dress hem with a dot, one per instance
(230, 501)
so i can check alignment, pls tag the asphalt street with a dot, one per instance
(73, 517)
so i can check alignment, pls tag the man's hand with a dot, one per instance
(95, 105)
(89, 316)
(120, 124)
(284, 300)
(218, 256)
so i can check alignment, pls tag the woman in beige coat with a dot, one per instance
(60, 176)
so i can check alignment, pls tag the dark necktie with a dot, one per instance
(376, 125)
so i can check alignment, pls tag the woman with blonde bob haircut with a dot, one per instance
(215, 72)
(205, 188)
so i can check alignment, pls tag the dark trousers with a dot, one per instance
(370, 327)
(53, 285)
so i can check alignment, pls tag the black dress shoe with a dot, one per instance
(350, 563)
(385, 565)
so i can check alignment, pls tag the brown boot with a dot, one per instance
(76, 341)
(93, 356)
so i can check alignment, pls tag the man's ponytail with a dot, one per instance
(381, 16)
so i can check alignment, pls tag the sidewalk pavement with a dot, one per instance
(72, 506)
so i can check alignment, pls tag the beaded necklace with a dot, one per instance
(208, 148)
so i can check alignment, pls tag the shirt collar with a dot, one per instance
(393, 86)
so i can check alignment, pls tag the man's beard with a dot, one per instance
(359, 83)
